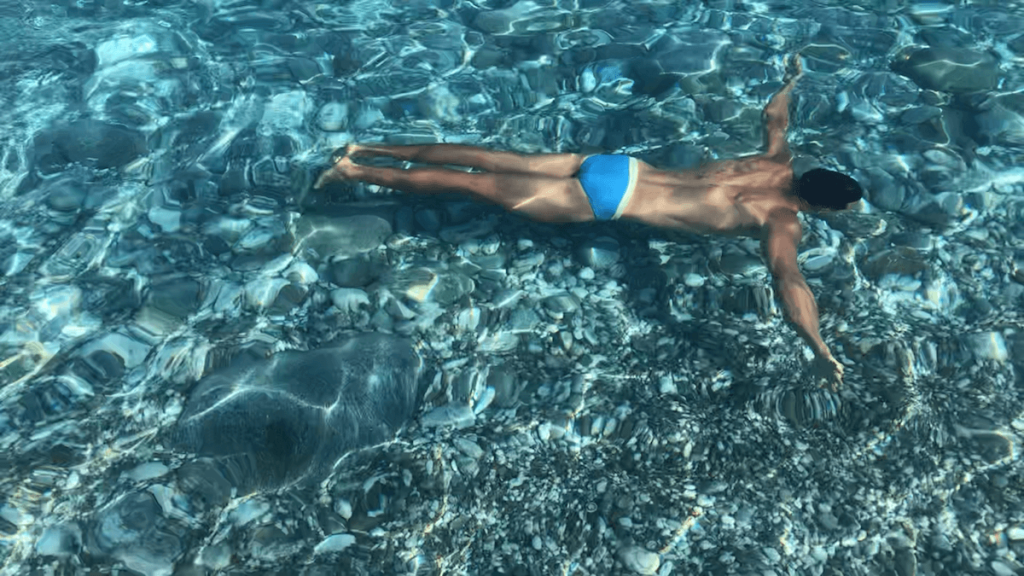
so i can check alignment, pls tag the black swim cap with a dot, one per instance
(828, 189)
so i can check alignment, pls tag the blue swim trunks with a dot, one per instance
(609, 181)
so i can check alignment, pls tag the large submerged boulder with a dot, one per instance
(289, 418)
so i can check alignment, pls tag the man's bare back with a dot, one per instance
(750, 196)
(730, 197)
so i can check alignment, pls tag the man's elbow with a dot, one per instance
(776, 126)
(787, 275)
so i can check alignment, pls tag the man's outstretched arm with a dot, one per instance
(776, 113)
(780, 243)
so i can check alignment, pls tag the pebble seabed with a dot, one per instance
(207, 370)
(570, 422)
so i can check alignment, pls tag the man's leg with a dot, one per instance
(552, 165)
(540, 198)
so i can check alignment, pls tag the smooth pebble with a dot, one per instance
(640, 560)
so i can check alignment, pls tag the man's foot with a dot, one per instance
(352, 150)
(343, 169)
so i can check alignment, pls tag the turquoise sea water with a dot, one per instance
(206, 367)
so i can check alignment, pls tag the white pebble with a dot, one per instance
(276, 265)
(449, 415)
(819, 554)
(147, 471)
(544, 432)
(334, 543)
(301, 273)
(485, 399)
(693, 280)
(640, 560)
(54, 541)
(168, 220)
(468, 319)
(343, 508)
(349, 299)
(587, 273)
(469, 448)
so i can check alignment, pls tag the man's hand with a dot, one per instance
(828, 368)
(794, 68)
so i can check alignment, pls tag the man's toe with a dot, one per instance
(340, 153)
(325, 178)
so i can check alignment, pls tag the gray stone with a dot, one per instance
(428, 219)
(949, 69)
(1002, 568)
(507, 388)
(906, 562)
(884, 191)
(472, 229)
(599, 253)
(495, 21)
(560, 305)
(356, 272)
(939, 209)
(176, 298)
(332, 117)
(135, 531)
(1002, 123)
(66, 195)
(742, 264)
(523, 320)
(987, 345)
(423, 284)
(942, 169)
(916, 240)
(899, 260)
(457, 415)
(341, 236)
(89, 142)
(856, 224)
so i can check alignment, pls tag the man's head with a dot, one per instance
(827, 190)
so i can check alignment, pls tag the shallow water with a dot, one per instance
(206, 367)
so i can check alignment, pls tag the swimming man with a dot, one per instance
(754, 196)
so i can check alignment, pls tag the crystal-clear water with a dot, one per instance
(206, 367)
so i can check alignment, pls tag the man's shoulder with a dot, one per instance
(782, 221)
